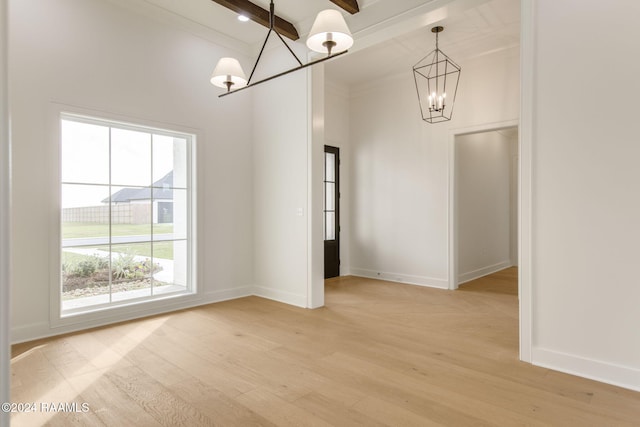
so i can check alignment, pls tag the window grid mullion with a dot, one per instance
(110, 223)
(151, 189)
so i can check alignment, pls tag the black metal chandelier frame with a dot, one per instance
(437, 72)
(301, 65)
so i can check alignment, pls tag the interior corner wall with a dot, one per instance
(281, 172)
(586, 182)
(400, 168)
(102, 57)
(483, 188)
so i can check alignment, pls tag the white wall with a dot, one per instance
(315, 187)
(586, 182)
(281, 171)
(337, 135)
(483, 188)
(5, 306)
(400, 168)
(104, 58)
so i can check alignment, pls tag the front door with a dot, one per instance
(331, 212)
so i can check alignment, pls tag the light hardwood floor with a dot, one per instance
(378, 354)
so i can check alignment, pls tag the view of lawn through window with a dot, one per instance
(125, 213)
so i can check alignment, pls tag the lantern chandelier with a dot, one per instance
(329, 34)
(436, 77)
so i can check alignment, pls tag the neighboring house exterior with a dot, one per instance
(130, 205)
(158, 200)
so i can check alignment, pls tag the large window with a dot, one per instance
(126, 214)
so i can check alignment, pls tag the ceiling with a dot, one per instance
(390, 35)
(301, 13)
(487, 28)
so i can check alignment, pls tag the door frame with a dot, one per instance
(453, 208)
(336, 151)
(453, 189)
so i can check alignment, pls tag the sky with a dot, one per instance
(85, 160)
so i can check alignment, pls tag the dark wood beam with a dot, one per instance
(261, 16)
(350, 6)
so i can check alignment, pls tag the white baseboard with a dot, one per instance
(44, 330)
(621, 376)
(481, 272)
(227, 294)
(280, 296)
(30, 332)
(401, 278)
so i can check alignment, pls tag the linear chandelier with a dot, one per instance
(329, 34)
(436, 77)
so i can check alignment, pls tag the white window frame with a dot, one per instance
(122, 310)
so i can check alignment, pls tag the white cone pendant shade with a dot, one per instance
(329, 33)
(228, 73)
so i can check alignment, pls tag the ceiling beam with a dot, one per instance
(350, 6)
(261, 16)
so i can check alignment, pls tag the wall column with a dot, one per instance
(5, 353)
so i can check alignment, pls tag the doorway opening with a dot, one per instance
(484, 226)
(331, 212)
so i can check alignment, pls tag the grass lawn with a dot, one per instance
(164, 250)
(160, 250)
(72, 230)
